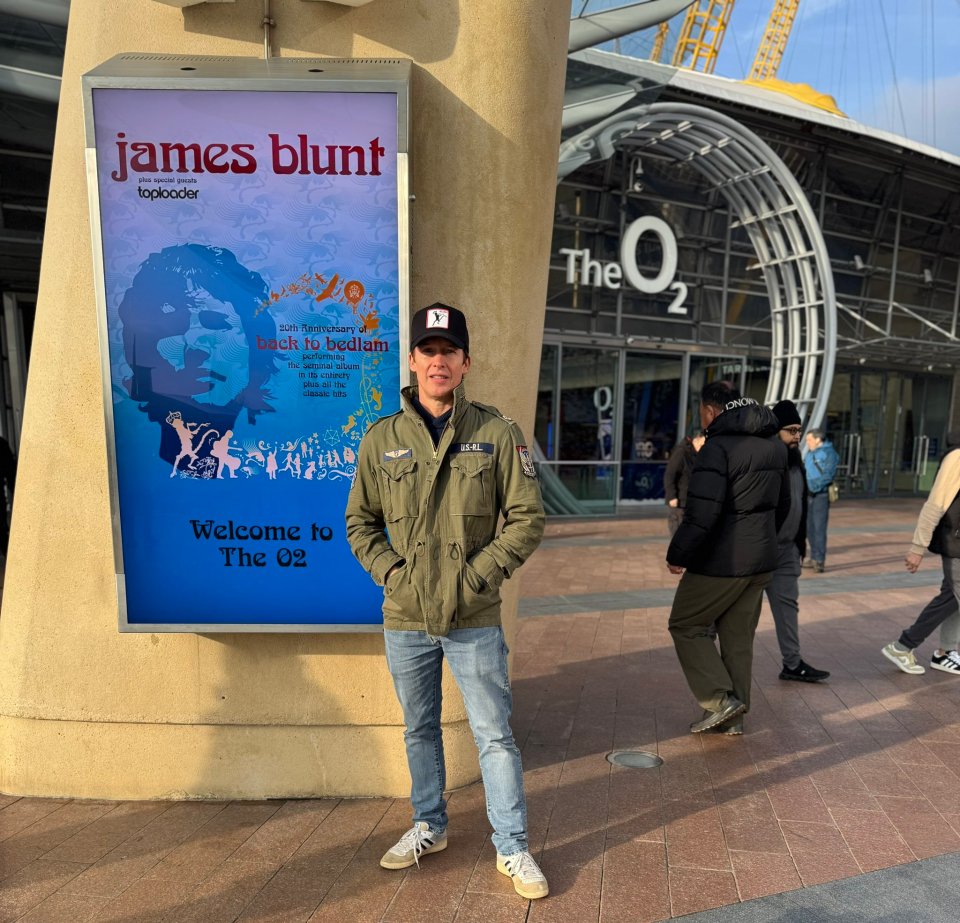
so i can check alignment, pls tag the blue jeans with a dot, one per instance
(478, 662)
(818, 512)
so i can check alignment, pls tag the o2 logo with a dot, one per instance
(610, 275)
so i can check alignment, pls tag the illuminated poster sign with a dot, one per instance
(250, 233)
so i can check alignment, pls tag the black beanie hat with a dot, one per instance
(786, 414)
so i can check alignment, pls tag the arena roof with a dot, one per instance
(711, 86)
(889, 207)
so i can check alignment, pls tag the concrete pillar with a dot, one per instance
(88, 712)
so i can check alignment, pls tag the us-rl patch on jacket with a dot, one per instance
(394, 454)
(526, 461)
(473, 448)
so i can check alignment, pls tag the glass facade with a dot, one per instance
(621, 368)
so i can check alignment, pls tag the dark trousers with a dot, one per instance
(938, 610)
(732, 604)
(783, 592)
(818, 513)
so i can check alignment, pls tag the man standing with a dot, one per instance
(726, 549)
(422, 515)
(821, 468)
(783, 590)
(938, 529)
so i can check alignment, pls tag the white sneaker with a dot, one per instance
(902, 657)
(528, 880)
(948, 661)
(418, 841)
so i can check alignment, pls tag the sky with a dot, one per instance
(892, 64)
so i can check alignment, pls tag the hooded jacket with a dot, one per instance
(434, 511)
(738, 496)
(821, 467)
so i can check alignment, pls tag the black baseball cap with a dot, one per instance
(440, 320)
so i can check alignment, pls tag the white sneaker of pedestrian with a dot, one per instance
(418, 841)
(902, 657)
(528, 880)
(948, 661)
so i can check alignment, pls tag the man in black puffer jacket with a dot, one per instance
(726, 549)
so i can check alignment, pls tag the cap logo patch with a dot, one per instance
(438, 319)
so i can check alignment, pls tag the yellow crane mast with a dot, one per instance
(663, 30)
(702, 35)
(774, 41)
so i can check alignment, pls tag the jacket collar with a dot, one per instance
(744, 416)
(459, 401)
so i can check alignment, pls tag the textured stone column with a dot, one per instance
(88, 712)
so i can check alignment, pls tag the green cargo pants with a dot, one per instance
(732, 604)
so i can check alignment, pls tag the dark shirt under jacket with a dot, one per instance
(738, 498)
(676, 478)
(435, 425)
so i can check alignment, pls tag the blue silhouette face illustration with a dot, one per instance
(189, 320)
(209, 362)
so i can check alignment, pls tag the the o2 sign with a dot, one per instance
(611, 275)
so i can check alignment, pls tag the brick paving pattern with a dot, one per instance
(829, 781)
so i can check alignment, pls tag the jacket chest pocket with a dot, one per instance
(471, 485)
(398, 481)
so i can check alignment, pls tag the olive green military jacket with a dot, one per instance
(440, 508)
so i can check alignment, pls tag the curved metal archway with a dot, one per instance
(773, 210)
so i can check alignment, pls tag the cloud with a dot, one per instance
(816, 7)
(917, 101)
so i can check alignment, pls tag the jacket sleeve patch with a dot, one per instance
(526, 461)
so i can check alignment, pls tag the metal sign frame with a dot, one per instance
(228, 74)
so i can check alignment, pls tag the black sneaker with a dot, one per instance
(803, 673)
(948, 661)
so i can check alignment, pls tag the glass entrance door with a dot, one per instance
(856, 413)
(920, 424)
(652, 394)
(576, 425)
(888, 428)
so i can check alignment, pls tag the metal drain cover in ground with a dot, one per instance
(634, 759)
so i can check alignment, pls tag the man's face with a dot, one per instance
(812, 441)
(791, 435)
(209, 361)
(439, 367)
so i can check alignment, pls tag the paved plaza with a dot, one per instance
(830, 782)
